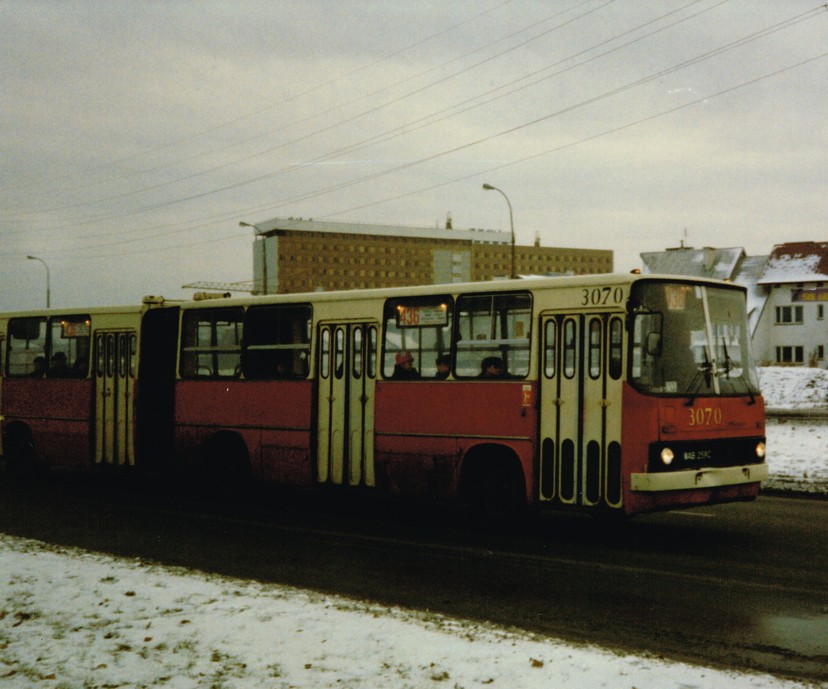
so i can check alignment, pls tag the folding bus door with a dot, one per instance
(346, 367)
(115, 355)
(580, 421)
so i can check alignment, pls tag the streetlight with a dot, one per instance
(48, 285)
(489, 187)
(264, 253)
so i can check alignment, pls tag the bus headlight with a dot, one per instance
(760, 450)
(667, 456)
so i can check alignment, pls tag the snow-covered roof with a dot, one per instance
(797, 262)
(709, 262)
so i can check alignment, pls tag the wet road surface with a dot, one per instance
(738, 586)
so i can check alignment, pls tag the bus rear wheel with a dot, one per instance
(224, 464)
(19, 452)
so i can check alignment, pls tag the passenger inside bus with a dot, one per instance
(59, 369)
(443, 367)
(404, 366)
(491, 367)
(39, 370)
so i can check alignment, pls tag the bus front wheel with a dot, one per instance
(493, 487)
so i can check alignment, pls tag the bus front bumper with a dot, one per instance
(712, 477)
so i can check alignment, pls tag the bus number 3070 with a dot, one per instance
(705, 416)
(600, 296)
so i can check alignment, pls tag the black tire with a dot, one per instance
(224, 466)
(494, 490)
(20, 453)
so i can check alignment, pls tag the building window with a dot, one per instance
(820, 312)
(789, 355)
(820, 352)
(788, 314)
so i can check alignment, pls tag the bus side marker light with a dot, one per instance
(667, 456)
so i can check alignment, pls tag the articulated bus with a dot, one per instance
(616, 393)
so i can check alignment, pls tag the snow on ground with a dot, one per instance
(787, 387)
(70, 618)
(796, 443)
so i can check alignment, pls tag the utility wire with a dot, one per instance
(255, 113)
(557, 149)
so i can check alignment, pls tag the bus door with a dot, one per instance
(115, 353)
(346, 371)
(580, 422)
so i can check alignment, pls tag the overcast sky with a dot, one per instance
(137, 135)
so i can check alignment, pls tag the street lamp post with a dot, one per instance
(264, 253)
(489, 187)
(48, 281)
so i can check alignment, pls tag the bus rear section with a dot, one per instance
(69, 387)
(47, 394)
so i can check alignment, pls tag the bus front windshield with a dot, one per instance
(691, 340)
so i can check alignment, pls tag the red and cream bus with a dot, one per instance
(620, 393)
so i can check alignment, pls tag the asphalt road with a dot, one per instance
(739, 586)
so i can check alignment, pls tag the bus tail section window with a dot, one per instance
(69, 345)
(417, 333)
(277, 342)
(58, 348)
(26, 348)
(211, 343)
(493, 326)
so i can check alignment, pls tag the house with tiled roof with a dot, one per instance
(792, 329)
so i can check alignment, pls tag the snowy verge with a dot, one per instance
(70, 618)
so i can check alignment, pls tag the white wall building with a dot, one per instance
(792, 329)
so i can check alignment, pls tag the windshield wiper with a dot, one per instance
(705, 370)
(729, 364)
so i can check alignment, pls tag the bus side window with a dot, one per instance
(211, 343)
(491, 327)
(26, 348)
(69, 344)
(276, 342)
(416, 329)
